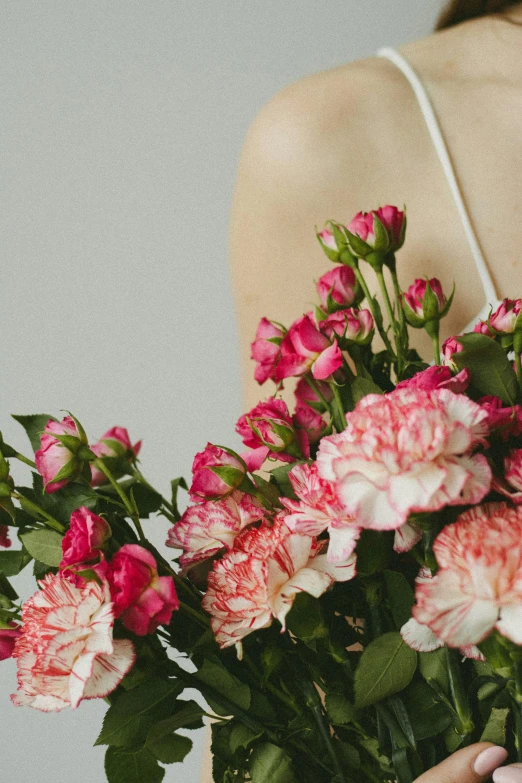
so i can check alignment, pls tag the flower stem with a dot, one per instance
(393, 321)
(518, 368)
(339, 417)
(99, 463)
(142, 480)
(458, 695)
(436, 348)
(376, 318)
(49, 520)
(25, 460)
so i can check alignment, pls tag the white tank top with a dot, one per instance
(491, 296)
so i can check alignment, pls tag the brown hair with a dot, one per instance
(460, 10)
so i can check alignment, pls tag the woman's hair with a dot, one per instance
(459, 10)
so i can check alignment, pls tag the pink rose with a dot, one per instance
(394, 221)
(380, 230)
(207, 528)
(259, 579)
(504, 421)
(216, 472)
(8, 637)
(327, 241)
(483, 328)
(337, 288)
(85, 538)
(66, 651)
(352, 325)
(269, 427)
(5, 541)
(438, 378)
(305, 418)
(305, 349)
(478, 586)
(59, 459)
(117, 446)
(504, 319)
(424, 301)
(306, 394)
(266, 350)
(407, 451)
(450, 347)
(142, 599)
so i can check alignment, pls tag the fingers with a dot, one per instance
(471, 765)
(511, 774)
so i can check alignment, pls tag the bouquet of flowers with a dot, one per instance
(347, 594)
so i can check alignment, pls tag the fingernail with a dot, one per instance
(490, 759)
(507, 775)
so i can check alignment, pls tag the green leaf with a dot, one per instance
(280, 476)
(339, 708)
(241, 737)
(188, 716)
(214, 674)
(374, 549)
(347, 755)
(400, 596)
(147, 500)
(305, 618)
(44, 545)
(428, 715)
(270, 764)
(361, 387)
(140, 767)
(175, 485)
(491, 370)
(432, 666)
(124, 719)
(34, 426)
(13, 561)
(170, 749)
(7, 589)
(495, 729)
(387, 666)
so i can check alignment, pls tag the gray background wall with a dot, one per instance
(121, 127)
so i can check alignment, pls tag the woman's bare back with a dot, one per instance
(354, 138)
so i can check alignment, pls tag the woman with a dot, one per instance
(353, 138)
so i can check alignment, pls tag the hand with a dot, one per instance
(474, 765)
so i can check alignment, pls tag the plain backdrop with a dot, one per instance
(121, 127)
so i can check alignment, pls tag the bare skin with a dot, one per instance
(353, 138)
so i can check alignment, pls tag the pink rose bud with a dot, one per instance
(424, 301)
(87, 535)
(305, 348)
(142, 599)
(373, 234)
(513, 468)
(5, 541)
(483, 328)
(337, 288)
(504, 319)
(353, 326)
(216, 472)
(438, 378)
(8, 637)
(268, 424)
(266, 350)
(117, 450)
(313, 395)
(311, 422)
(63, 456)
(450, 347)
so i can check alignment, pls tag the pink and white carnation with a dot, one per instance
(207, 528)
(56, 463)
(266, 350)
(67, 652)
(337, 288)
(258, 580)
(115, 444)
(142, 599)
(421, 637)
(407, 451)
(305, 349)
(510, 484)
(318, 509)
(478, 586)
(216, 472)
(437, 377)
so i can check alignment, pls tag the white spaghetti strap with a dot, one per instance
(442, 151)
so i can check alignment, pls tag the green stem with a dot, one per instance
(25, 460)
(436, 348)
(339, 417)
(99, 463)
(141, 478)
(393, 321)
(318, 715)
(272, 688)
(369, 299)
(50, 521)
(397, 292)
(518, 368)
(458, 695)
